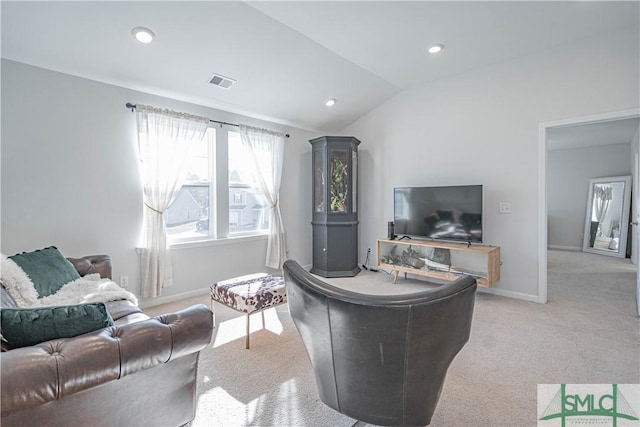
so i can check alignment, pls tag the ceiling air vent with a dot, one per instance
(222, 81)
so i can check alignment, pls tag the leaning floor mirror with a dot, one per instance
(607, 219)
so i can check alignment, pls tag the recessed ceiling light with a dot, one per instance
(143, 35)
(435, 48)
(330, 102)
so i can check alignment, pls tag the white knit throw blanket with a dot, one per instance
(90, 288)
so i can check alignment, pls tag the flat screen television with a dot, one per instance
(443, 213)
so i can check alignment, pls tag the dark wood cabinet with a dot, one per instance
(335, 206)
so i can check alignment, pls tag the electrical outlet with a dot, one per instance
(124, 281)
(504, 207)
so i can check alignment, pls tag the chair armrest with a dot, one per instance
(93, 264)
(35, 375)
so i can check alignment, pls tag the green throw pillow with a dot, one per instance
(22, 327)
(47, 269)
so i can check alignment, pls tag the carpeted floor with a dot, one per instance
(587, 333)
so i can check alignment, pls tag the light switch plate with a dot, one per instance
(504, 208)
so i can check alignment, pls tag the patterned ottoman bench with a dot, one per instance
(249, 294)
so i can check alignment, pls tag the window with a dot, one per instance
(248, 209)
(188, 217)
(198, 212)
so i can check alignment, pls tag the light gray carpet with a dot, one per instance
(587, 333)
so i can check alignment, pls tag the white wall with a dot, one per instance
(635, 195)
(70, 178)
(69, 168)
(568, 175)
(482, 128)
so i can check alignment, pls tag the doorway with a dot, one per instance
(544, 130)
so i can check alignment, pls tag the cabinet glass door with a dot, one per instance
(319, 184)
(339, 181)
(354, 186)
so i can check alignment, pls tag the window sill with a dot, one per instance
(216, 242)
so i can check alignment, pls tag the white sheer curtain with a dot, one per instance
(267, 154)
(164, 141)
(603, 195)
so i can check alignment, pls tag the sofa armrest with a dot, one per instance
(49, 371)
(93, 264)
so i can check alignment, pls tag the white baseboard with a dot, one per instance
(494, 291)
(509, 294)
(564, 248)
(198, 292)
(152, 302)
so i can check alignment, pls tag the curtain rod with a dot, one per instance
(133, 107)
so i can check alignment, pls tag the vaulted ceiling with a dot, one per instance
(289, 57)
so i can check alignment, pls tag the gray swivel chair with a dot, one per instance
(381, 359)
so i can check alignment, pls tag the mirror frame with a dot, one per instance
(622, 244)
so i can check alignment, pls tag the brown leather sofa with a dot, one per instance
(141, 371)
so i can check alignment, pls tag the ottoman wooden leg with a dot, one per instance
(213, 312)
(247, 338)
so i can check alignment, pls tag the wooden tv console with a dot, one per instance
(442, 260)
